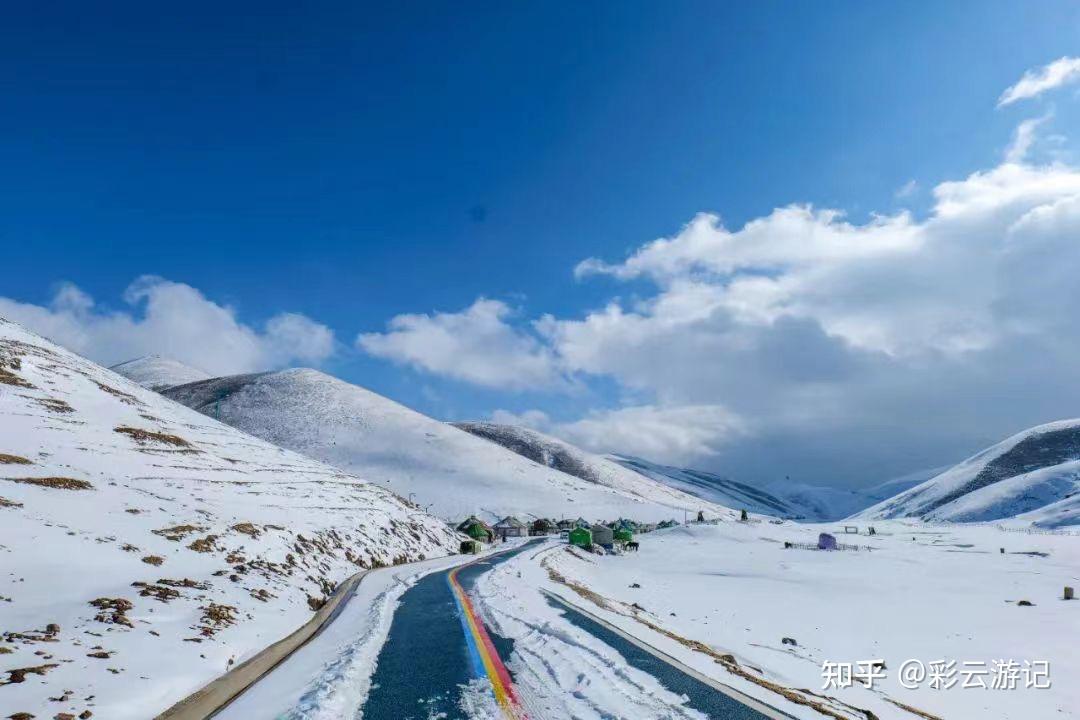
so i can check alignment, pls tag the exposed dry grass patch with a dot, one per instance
(9, 378)
(184, 583)
(205, 544)
(154, 560)
(176, 533)
(581, 590)
(6, 459)
(216, 617)
(11, 361)
(247, 528)
(54, 405)
(158, 592)
(5, 503)
(60, 483)
(113, 611)
(124, 397)
(142, 435)
(18, 675)
(912, 710)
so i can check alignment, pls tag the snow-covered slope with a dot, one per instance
(833, 503)
(157, 373)
(712, 487)
(780, 498)
(145, 548)
(456, 473)
(554, 453)
(1033, 476)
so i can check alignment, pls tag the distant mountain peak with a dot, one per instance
(1033, 475)
(434, 463)
(157, 372)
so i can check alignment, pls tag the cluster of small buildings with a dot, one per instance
(578, 532)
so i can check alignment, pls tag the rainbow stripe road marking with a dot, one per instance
(485, 659)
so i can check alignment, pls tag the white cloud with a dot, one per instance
(293, 337)
(906, 190)
(680, 434)
(1060, 72)
(808, 344)
(476, 345)
(893, 339)
(791, 236)
(174, 320)
(1023, 139)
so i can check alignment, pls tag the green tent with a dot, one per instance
(623, 535)
(581, 537)
(478, 532)
(477, 529)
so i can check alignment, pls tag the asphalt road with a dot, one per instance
(432, 652)
(437, 645)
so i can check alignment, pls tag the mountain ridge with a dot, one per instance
(1032, 476)
(444, 467)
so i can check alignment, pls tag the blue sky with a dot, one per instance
(354, 163)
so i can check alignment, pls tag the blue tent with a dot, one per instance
(825, 541)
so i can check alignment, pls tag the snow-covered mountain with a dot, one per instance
(712, 487)
(157, 373)
(781, 498)
(833, 503)
(639, 476)
(1032, 476)
(443, 467)
(146, 548)
(554, 453)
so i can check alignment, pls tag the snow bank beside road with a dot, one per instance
(329, 678)
(948, 594)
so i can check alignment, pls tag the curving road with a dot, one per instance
(441, 661)
(438, 648)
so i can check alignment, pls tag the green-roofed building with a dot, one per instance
(477, 529)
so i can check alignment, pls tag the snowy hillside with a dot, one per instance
(715, 488)
(780, 498)
(453, 472)
(1033, 476)
(146, 548)
(831, 503)
(158, 373)
(554, 453)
